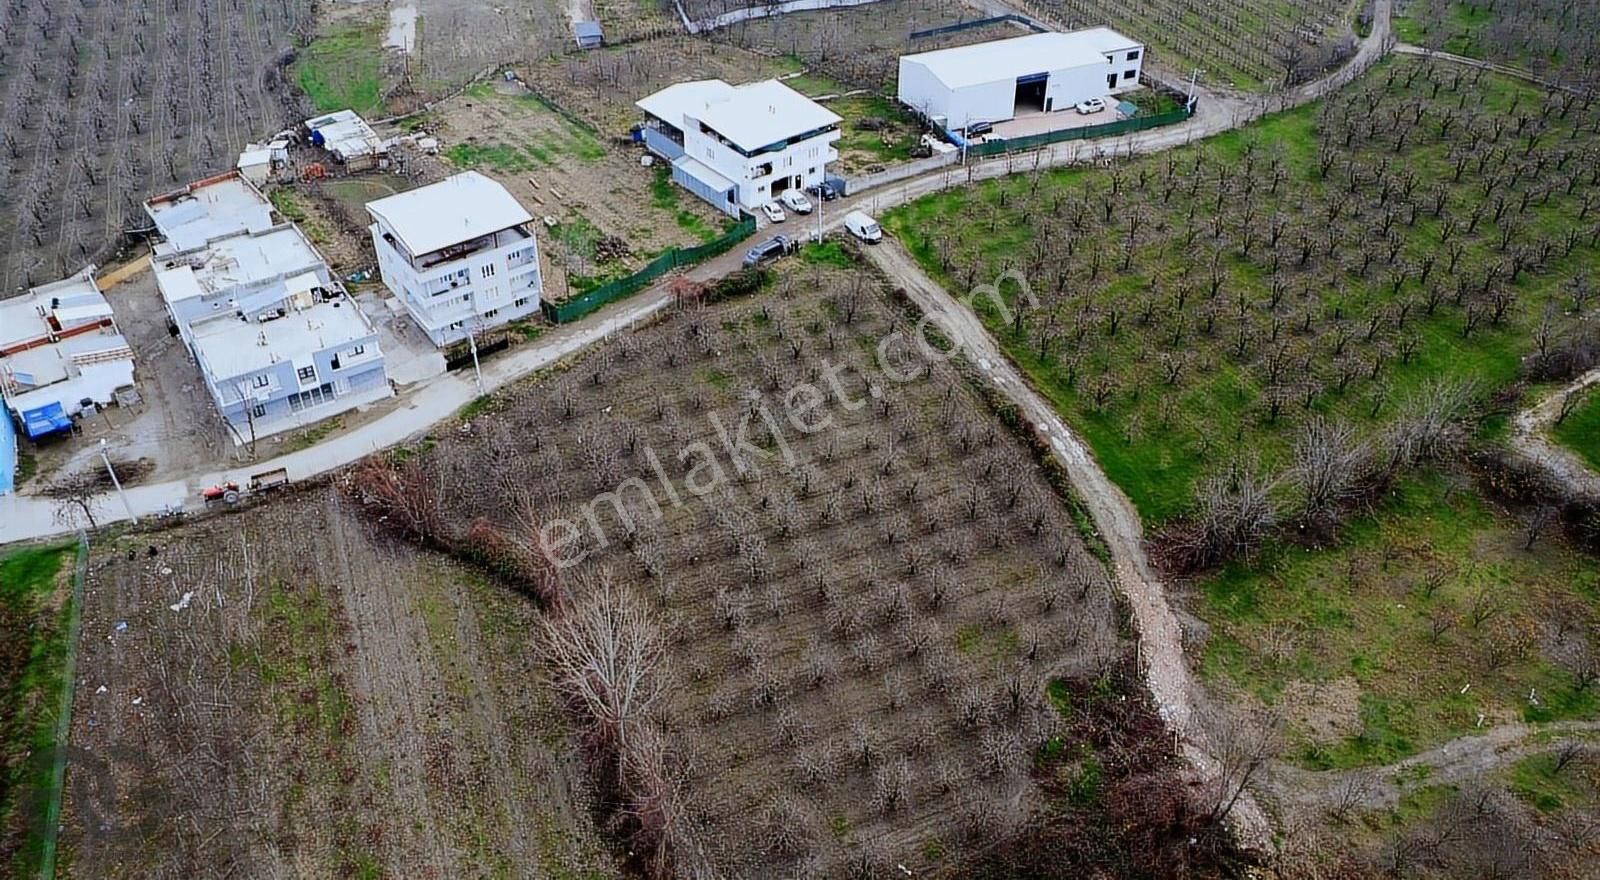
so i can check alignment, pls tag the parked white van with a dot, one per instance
(863, 227)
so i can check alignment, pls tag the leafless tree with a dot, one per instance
(78, 498)
(1329, 470)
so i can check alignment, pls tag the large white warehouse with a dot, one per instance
(1003, 79)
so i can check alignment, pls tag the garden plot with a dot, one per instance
(848, 634)
(282, 692)
(862, 45)
(1550, 38)
(601, 86)
(611, 214)
(103, 103)
(1251, 45)
(1336, 290)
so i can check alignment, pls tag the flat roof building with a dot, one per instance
(278, 342)
(59, 347)
(211, 208)
(1004, 79)
(459, 254)
(348, 138)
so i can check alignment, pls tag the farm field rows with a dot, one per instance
(106, 103)
(285, 691)
(854, 628)
(1299, 297)
(1550, 38)
(1251, 45)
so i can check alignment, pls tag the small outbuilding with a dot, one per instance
(1003, 79)
(588, 34)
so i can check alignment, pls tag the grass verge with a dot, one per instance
(343, 68)
(1580, 430)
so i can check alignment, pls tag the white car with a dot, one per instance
(1093, 105)
(795, 201)
(773, 212)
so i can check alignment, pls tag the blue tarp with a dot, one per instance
(8, 451)
(45, 420)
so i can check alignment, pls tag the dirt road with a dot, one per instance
(1530, 440)
(1453, 763)
(1166, 671)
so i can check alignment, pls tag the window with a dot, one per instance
(307, 374)
(1133, 56)
(520, 303)
(259, 411)
(491, 313)
(262, 380)
(1130, 74)
(812, 172)
(487, 270)
(358, 351)
(455, 325)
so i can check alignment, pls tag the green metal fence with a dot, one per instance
(1109, 129)
(622, 288)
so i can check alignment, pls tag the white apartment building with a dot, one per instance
(460, 255)
(740, 147)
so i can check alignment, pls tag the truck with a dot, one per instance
(230, 492)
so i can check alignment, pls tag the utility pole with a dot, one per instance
(117, 483)
(1193, 78)
(472, 343)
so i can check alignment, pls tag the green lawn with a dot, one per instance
(1116, 315)
(1463, 27)
(1580, 430)
(892, 143)
(1365, 612)
(35, 608)
(343, 68)
(664, 194)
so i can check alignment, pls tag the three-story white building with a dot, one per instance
(460, 254)
(740, 147)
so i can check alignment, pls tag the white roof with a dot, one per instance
(752, 116)
(74, 300)
(1021, 56)
(345, 134)
(686, 98)
(251, 158)
(234, 346)
(235, 261)
(210, 209)
(702, 172)
(454, 210)
(49, 364)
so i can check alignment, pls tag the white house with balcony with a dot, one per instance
(459, 254)
(740, 147)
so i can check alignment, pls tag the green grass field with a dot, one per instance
(1580, 431)
(343, 68)
(1116, 317)
(35, 606)
(1430, 608)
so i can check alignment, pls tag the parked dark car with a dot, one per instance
(979, 128)
(823, 191)
(771, 249)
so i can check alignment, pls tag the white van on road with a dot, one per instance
(863, 227)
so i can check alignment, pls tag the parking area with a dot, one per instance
(1038, 122)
